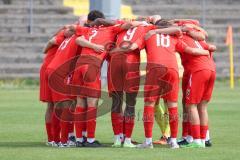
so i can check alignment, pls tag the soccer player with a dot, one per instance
(161, 50)
(89, 66)
(128, 79)
(199, 90)
(45, 92)
(64, 101)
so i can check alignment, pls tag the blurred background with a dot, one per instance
(26, 25)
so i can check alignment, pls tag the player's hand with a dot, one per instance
(149, 34)
(99, 48)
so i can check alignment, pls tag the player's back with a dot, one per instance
(196, 63)
(105, 36)
(67, 50)
(161, 49)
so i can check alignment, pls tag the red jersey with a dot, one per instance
(196, 63)
(99, 35)
(128, 37)
(161, 49)
(67, 50)
(59, 38)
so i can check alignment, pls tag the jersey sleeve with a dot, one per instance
(59, 38)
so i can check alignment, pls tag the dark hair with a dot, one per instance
(163, 23)
(94, 15)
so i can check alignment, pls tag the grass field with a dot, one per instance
(22, 134)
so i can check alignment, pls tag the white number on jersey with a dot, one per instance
(65, 43)
(163, 40)
(198, 45)
(129, 35)
(94, 33)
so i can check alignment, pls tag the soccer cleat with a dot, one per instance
(63, 145)
(95, 144)
(162, 141)
(208, 143)
(144, 145)
(129, 145)
(71, 143)
(79, 144)
(193, 145)
(117, 144)
(183, 142)
(174, 145)
(72, 138)
(50, 144)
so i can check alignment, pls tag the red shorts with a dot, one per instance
(55, 95)
(123, 73)
(200, 86)
(45, 91)
(88, 78)
(185, 80)
(168, 85)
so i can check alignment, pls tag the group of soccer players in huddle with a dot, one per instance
(70, 80)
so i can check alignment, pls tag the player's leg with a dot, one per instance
(170, 101)
(48, 122)
(203, 108)
(117, 117)
(173, 122)
(129, 118)
(203, 115)
(195, 92)
(148, 121)
(65, 119)
(161, 118)
(91, 118)
(186, 134)
(80, 121)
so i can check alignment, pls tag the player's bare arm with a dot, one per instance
(102, 21)
(196, 51)
(81, 41)
(212, 48)
(175, 31)
(49, 45)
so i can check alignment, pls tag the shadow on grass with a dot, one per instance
(42, 144)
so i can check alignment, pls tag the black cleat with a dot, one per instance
(72, 138)
(183, 142)
(95, 144)
(84, 139)
(208, 143)
(80, 144)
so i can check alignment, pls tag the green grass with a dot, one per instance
(22, 134)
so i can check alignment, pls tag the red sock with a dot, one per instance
(49, 129)
(189, 130)
(71, 127)
(185, 129)
(148, 119)
(64, 125)
(129, 125)
(173, 121)
(195, 130)
(56, 128)
(117, 120)
(80, 123)
(203, 131)
(91, 121)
